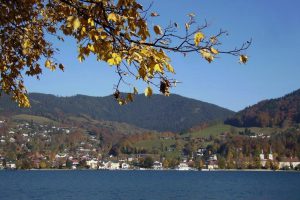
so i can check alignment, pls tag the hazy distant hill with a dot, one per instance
(282, 111)
(174, 113)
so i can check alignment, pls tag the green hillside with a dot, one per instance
(33, 118)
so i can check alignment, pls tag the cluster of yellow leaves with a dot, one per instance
(209, 53)
(114, 31)
(115, 59)
(23, 44)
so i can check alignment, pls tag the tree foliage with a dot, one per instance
(282, 112)
(116, 32)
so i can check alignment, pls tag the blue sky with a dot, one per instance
(272, 71)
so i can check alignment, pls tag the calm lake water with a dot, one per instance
(148, 185)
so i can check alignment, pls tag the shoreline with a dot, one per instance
(193, 170)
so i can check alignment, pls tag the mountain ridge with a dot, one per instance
(282, 111)
(175, 113)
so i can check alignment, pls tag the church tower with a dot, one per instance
(262, 155)
(270, 154)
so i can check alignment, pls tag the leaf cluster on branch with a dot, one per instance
(116, 32)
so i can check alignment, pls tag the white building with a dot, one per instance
(93, 164)
(60, 155)
(264, 160)
(289, 162)
(114, 165)
(183, 166)
(125, 165)
(157, 165)
(201, 151)
(212, 157)
(212, 162)
(11, 165)
(109, 165)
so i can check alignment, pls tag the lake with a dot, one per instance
(148, 185)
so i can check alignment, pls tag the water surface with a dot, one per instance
(148, 185)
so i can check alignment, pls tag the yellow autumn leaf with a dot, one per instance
(115, 59)
(80, 58)
(130, 97)
(187, 26)
(121, 102)
(243, 59)
(91, 22)
(26, 44)
(91, 48)
(170, 68)
(207, 56)
(23, 101)
(157, 30)
(52, 67)
(135, 91)
(112, 17)
(76, 24)
(157, 68)
(48, 63)
(103, 35)
(148, 91)
(83, 31)
(198, 37)
(213, 50)
(70, 19)
(213, 39)
(142, 72)
(154, 14)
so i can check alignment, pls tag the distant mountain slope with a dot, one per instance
(174, 113)
(282, 111)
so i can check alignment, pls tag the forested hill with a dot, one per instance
(174, 113)
(283, 111)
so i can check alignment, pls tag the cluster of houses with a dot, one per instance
(114, 164)
(29, 131)
(86, 154)
(65, 161)
(259, 135)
